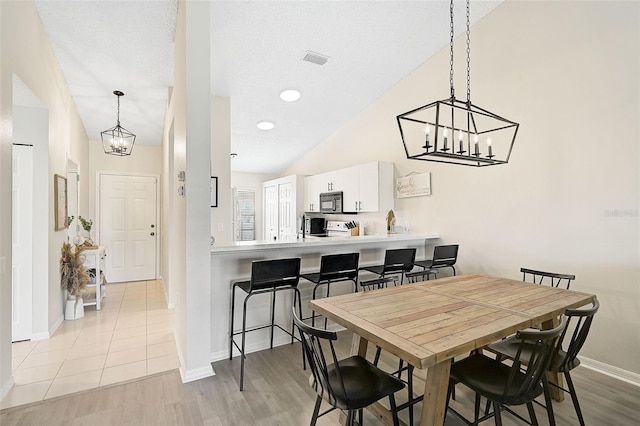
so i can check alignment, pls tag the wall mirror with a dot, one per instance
(60, 201)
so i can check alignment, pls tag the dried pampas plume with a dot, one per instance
(74, 275)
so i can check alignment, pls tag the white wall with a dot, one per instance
(568, 201)
(25, 52)
(221, 227)
(189, 113)
(254, 181)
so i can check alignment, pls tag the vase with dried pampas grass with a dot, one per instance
(74, 278)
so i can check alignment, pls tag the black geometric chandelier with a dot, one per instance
(455, 131)
(118, 140)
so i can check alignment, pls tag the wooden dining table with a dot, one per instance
(427, 324)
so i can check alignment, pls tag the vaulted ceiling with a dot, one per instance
(257, 51)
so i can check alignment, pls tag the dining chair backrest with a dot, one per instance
(551, 278)
(445, 256)
(583, 319)
(339, 266)
(274, 273)
(539, 347)
(399, 260)
(317, 355)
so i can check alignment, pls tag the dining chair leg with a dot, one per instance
(350, 418)
(574, 398)
(313, 313)
(410, 391)
(316, 411)
(376, 358)
(547, 401)
(360, 411)
(532, 414)
(476, 409)
(394, 410)
(297, 294)
(496, 413)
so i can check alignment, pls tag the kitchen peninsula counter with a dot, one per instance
(232, 262)
(318, 242)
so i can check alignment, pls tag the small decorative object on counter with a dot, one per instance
(391, 220)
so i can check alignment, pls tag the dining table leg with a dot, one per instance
(434, 404)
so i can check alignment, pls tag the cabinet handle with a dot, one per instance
(152, 234)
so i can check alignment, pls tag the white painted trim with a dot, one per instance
(611, 371)
(4, 390)
(48, 334)
(197, 374)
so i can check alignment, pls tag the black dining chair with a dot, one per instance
(551, 278)
(423, 275)
(349, 384)
(333, 268)
(396, 262)
(267, 276)
(508, 385)
(563, 360)
(443, 257)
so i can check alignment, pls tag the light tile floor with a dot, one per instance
(130, 337)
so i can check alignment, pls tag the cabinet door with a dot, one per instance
(312, 189)
(376, 187)
(270, 212)
(347, 181)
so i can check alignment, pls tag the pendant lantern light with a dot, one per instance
(455, 131)
(118, 140)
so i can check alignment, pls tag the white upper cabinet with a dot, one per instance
(365, 188)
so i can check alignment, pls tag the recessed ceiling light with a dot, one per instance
(289, 95)
(266, 125)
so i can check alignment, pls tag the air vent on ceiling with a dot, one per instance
(315, 58)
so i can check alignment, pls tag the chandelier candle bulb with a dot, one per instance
(426, 137)
(445, 140)
(460, 137)
(475, 141)
(489, 146)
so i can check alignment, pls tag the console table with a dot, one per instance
(94, 259)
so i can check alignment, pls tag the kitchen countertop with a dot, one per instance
(315, 241)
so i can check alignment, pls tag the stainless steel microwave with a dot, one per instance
(331, 202)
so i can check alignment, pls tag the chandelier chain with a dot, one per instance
(451, 51)
(468, 58)
(118, 120)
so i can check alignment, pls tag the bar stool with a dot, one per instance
(396, 261)
(418, 276)
(333, 268)
(443, 257)
(267, 276)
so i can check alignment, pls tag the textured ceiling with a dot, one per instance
(257, 50)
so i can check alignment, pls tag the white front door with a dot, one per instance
(22, 245)
(128, 228)
(270, 212)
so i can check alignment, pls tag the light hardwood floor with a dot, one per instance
(277, 393)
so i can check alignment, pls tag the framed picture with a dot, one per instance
(214, 191)
(60, 202)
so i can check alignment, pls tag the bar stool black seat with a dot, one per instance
(333, 268)
(267, 276)
(443, 257)
(396, 261)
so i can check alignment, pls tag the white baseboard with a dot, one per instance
(610, 370)
(47, 334)
(4, 390)
(195, 374)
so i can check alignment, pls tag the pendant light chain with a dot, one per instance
(451, 51)
(468, 58)
(118, 120)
